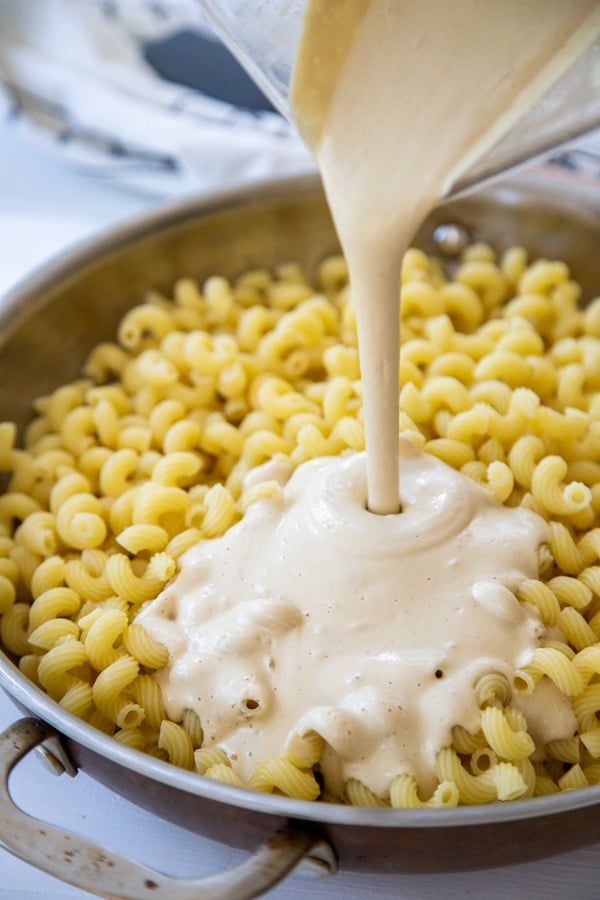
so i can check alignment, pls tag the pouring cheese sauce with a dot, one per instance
(326, 609)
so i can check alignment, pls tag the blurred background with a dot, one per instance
(110, 106)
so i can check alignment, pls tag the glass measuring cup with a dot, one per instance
(264, 36)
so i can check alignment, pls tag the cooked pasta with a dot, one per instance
(286, 778)
(404, 794)
(177, 743)
(125, 469)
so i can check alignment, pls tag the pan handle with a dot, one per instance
(100, 871)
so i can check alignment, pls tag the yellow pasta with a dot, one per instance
(38, 533)
(567, 750)
(182, 542)
(573, 779)
(55, 666)
(585, 707)
(575, 629)
(142, 647)
(571, 592)
(304, 752)
(207, 757)
(8, 593)
(492, 688)
(502, 781)
(15, 506)
(80, 523)
(282, 775)
(404, 794)
(177, 743)
(220, 511)
(139, 538)
(224, 774)
(148, 696)
(506, 742)
(482, 760)
(587, 662)
(78, 699)
(466, 743)
(266, 490)
(144, 323)
(551, 662)
(49, 633)
(591, 742)
(539, 595)
(106, 627)
(548, 488)
(13, 629)
(132, 737)
(192, 725)
(357, 794)
(126, 583)
(508, 782)
(86, 576)
(545, 786)
(49, 574)
(55, 602)
(108, 694)
(124, 470)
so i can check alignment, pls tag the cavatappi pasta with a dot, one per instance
(145, 455)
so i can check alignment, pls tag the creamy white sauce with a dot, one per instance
(313, 614)
(397, 98)
(548, 713)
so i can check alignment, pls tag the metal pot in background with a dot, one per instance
(47, 327)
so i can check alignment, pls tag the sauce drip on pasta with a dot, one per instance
(314, 618)
(501, 369)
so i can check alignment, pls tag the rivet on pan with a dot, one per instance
(451, 238)
(52, 754)
(318, 862)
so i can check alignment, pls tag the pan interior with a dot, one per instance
(50, 322)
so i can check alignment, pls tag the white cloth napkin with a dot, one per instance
(73, 75)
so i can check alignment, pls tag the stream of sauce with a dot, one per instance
(325, 609)
(397, 98)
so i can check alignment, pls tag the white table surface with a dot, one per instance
(44, 208)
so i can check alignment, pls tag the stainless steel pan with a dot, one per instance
(47, 326)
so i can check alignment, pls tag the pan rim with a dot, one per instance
(28, 695)
(50, 275)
